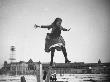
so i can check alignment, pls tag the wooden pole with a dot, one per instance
(41, 77)
(39, 73)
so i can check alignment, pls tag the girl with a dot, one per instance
(54, 40)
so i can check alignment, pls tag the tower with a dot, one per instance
(12, 55)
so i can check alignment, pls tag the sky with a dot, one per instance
(87, 41)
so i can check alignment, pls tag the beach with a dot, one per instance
(64, 77)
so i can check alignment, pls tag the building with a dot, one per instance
(17, 68)
(5, 69)
(80, 68)
(28, 68)
(31, 68)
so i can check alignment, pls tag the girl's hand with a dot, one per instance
(36, 26)
(68, 29)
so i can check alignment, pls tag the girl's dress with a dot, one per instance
(54, 39)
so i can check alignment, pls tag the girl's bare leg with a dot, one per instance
(52, 55)
(65, 54)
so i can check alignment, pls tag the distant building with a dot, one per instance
(18, 68)
(5, 69)
(22, 67)
(80, 68)
(31, 68)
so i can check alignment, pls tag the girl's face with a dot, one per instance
(58, 23)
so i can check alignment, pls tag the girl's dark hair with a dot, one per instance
(57, 19)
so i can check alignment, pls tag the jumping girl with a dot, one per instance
(54, 40)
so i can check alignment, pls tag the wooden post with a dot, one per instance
(39, 73)
(41, 77)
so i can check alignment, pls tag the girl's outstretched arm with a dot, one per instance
(46, 26)
(64, 29)
(43, 26)
(36, 26)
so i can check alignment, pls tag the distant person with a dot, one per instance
(53, 77)
(54, 40)
(23, 79)
(45, 74)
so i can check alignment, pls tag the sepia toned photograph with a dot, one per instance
(54, 41)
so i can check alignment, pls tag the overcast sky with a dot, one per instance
(87, 41)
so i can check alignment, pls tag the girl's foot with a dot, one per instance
(67, 61)
(51, 63)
